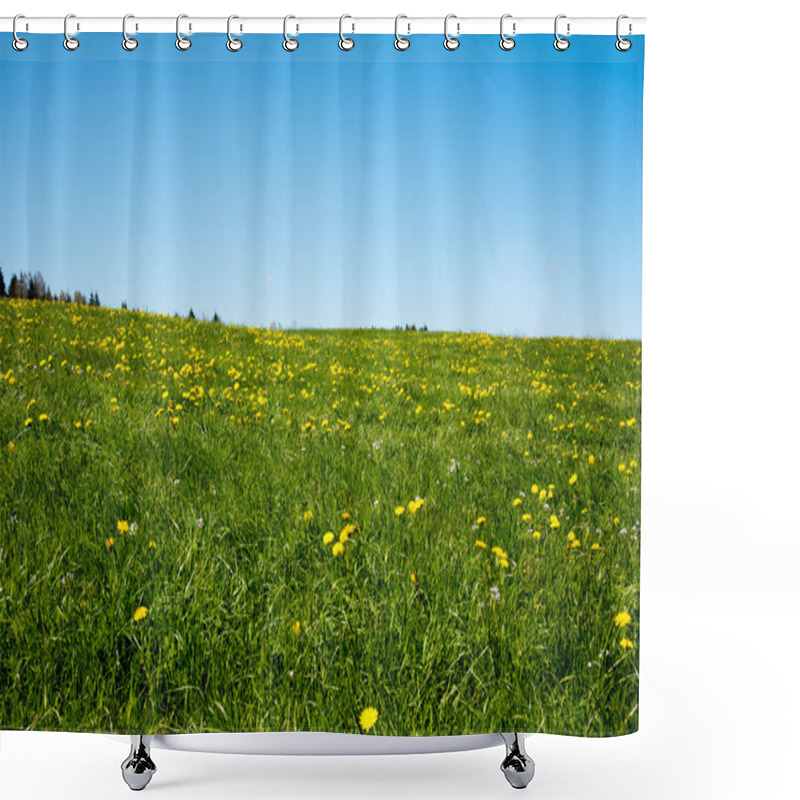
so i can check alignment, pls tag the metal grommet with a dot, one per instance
(401, 42)
(18, 43)
(561, 44)
(451, 42)
(128, 42)
(70, 42)
(623, 44)
(506, 42)
(290, 44)
(233, 44)
(345, 42)
(181, 42)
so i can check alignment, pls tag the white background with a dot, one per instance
(720, 703)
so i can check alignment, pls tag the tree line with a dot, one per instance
(31, 286)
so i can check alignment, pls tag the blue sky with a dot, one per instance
(469, 190)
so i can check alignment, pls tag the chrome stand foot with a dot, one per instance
(138, 768)
(517, 766)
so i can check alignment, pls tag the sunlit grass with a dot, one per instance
(208, 527)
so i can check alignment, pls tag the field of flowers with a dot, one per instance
(206, 527)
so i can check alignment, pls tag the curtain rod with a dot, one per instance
(407, 25)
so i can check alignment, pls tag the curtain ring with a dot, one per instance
(70, 42)
(345, 42)
(623, 44)
(290, 44)
(128, 42)
(450, 42)
(401, 42)
(233, 44)
(18, 42)
(506, 42)
(561, 43)
(181, 42)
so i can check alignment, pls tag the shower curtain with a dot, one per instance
(320, 385)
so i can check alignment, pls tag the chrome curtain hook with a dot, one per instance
(401, 42)
(450, 42)
(18, 43)
(623, 44)
(181, 42)
(233, 44)
(345, 42)
(290, 44)
(128, 42)
(70, 42)
(506, 42)
(560, 43)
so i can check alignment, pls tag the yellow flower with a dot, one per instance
(43, 417)
(413, 577)
(415, 505)
(123, 526)
(140, 613)
(152, 545)
(368, 718)
(480, 543)
(28, 422)
(591, 459)
(503, 562)
(537, 535)
(346, 516)
(622, 468)
(626, 644)
(554, 523)
(543, 495)
(77, 425)
(571, 536)
(622, 619)
(400, 510)
(174, 420)
(11, 445)
(296, 627)
(344, 534)
(109, 542)
(534, 489)
(338, 549)
(517, 502)
(527, 517)
(595, 546)
(480, 520)
(576, 543)
(307, 515)
(328, 538)
(499, 552)
(574, 479)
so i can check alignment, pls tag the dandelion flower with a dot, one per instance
(151, 545)
(123, 526)
(591, 459)
(480, 520)
(516, 502)
(537, 535)
(368, 718)
(622, 468)
(571, 536)
(307, 515)
(480, 543)
(503, 562)
(338, 549)
(344, 535)
(534, 489)
(346, 516)
(413, 577)
(140, 613)
(328, 538)
(526, 517)
(543, 494)
(595, 546)
(626, 644)
(574, 479)
(576, 543)
(296, 627)
(109, 542)
(622, 619)
(28, 422)
(400, 510)
(554, 523)
(416, 505)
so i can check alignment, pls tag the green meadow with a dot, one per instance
(206, 527)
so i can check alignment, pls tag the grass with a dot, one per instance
(230, 452)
